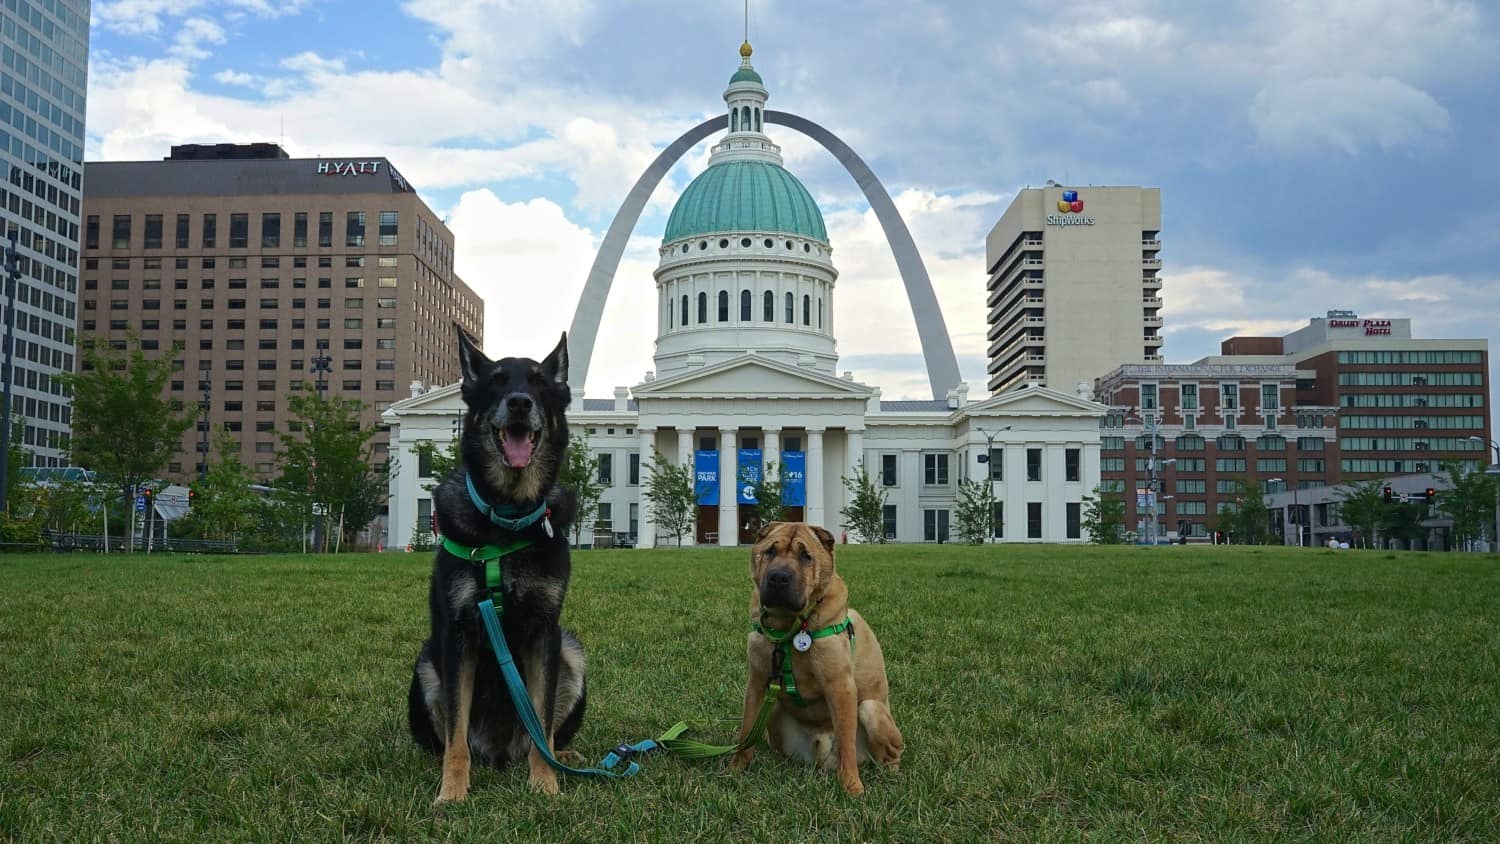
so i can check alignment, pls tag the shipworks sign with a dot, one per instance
(1070, 211)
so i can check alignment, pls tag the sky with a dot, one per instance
(1311, 155)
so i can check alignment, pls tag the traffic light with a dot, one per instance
(1387, 495)
(1431, 494)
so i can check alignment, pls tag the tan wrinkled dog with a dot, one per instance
(844, 716)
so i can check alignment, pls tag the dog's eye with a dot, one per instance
(804, 556)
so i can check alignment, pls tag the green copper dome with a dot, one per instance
(746, 74)
(745, 196)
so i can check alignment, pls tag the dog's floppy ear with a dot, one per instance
(471, 361)
(555, 366)
(823, 536)
(766, 529)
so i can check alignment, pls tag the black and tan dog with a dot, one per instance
(837, 712)
(514, 441)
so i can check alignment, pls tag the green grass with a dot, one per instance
(1045, 693)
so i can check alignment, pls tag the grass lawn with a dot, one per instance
(1045, 693)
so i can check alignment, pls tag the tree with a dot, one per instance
(223, 504)
(1404, 522)
(1470, 502)
(865, 514)
(1362, 507)
(329, 463)
(671, 496)
(1251, 520)
(766, 488)
(976, 510)
(580, 473)
(125, 427)
(440, 461)
(1104, 517)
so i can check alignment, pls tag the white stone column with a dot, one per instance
(816, 496)
(854, 452)
(685, 453)
(729, 488)
(771, 448)
(1090, 476)
(647, 536)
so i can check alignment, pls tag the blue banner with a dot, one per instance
(793, 478)
(749, 468)
(706, 482)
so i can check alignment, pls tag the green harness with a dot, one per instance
(781, 640)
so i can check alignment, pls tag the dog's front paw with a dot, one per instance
(570, 757)
(544, 783)
(450, 794)
(853, 786)
(741, 760)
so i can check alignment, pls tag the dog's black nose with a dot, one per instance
(779, 579)
(518, 403)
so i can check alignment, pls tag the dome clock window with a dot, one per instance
(723, 243)
(745, 242)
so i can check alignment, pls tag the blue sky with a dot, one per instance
(1311, 155)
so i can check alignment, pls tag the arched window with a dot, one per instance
(820, 313)
(669, 313)
(684, 310)
(791, 308)
(702, 308)
(723, 306)
(745, 300)
(745, 117)
(806, 310)
(734, 120)
(769, 307)
(757, 120)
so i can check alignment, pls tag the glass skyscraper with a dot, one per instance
(43, 84)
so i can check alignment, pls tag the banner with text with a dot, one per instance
(706, 480)
(749, 465)
(793, 478)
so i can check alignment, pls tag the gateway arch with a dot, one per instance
(932, 332)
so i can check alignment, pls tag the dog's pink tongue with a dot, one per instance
(517, 449)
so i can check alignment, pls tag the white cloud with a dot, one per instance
(195, 33)
(1346, 112)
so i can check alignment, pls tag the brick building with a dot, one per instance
(1406, 404)
(1216, 426)
(256, 264)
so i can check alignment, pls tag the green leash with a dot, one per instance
(780, 680)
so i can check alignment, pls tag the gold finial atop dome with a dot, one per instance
(745, 50)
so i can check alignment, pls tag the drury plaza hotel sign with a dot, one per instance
(1372, 327)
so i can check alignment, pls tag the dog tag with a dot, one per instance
(547, 525)
(802, 641)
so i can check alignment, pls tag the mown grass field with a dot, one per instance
(1045, 693)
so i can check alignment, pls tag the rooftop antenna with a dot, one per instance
(747, 20)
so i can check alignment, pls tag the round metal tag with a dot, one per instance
(802, 641)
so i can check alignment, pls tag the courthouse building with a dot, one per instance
(747, 375)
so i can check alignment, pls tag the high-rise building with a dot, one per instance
(43, 85)
(1406, 404)
(1073, 285)
(254, 266)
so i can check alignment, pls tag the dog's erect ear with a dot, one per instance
(555, 366)
(766, 529)
(823, 536)
(471, 361)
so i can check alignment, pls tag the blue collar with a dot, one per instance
(518, 519)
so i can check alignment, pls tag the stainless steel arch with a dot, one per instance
(932, 331)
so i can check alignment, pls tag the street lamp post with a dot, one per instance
(989, 451)
(12, 277)
(1493, 470)
(1296, 513)
(208, 395)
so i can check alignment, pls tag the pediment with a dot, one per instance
(1039, 400)
(752, 376)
